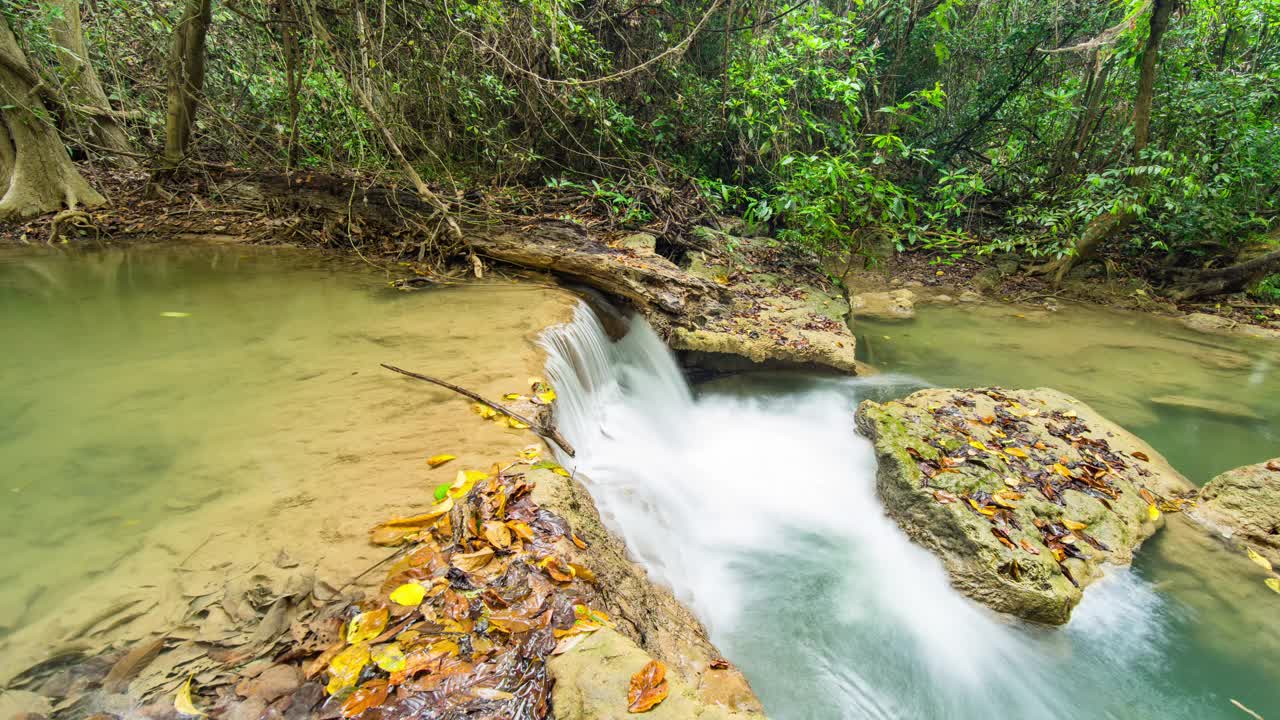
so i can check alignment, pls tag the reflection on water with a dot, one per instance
(169, 412)
(754, 500)
(1117, 362)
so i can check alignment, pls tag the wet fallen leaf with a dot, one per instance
(1016, 452)
(648, 687)
(1273, 583)
(1147, 496)
(182, 700)
(556, 569)
(977, 444)
(515, 424)
(1153, 512)
(579, 542)
(521, 529)
(370, 695)
(1258, 560)
(547, 396)
(944, 497)
(497, 533)
(344, 669)
(1140, 455)
(367, 626)
(1062, 470)
(1073, 525)
(582, 571)
(512, 396)
(484, 411)
(438, 460)
(531, 452)
(485, 693)
(1028, 547)
(1274, 466)
(473, 561)
(988, 419)
(409, 595)
(389, 657)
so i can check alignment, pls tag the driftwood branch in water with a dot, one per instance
(547, 431)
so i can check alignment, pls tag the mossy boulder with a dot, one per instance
(1023, 494)
(1243, 505)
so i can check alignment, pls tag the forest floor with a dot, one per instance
(235, 207)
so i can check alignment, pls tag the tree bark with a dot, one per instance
(36, 174)
(82, 86)
(1108, 225)
(186, 80)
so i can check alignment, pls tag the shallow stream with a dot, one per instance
(174, 417)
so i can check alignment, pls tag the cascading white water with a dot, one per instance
(755, 502)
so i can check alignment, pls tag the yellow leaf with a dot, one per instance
(182, 700)
(531, 452)
(464, 481)
(389, 657)
(367, 626)
(548, 396)
(438, 460)
(1273, 583)
(1016, 452)
(513, 396)
(560, 471)
(1258, 560)
(977, 444)
(344, 669)
(483, 410)
(409, 595)
(515, 424)
(1073, 525)
(1153, 512)
(1062, 470)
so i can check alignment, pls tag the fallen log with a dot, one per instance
(1221, 281)
(653, 284)
(547, 431)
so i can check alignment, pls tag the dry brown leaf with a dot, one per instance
(648, 687)
(1140, 455)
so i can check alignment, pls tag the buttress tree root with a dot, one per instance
(36, 174)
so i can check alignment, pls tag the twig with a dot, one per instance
(545, 431)
(1252, 714)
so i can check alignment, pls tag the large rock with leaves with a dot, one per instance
(1024, 495)
(1244, 505)
(779, 314)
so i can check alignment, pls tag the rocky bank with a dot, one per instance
(1243, 506)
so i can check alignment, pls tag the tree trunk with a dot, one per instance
(186, 80)
(81, 83)
(1161, 10)
(1108, 225)
(36, 175)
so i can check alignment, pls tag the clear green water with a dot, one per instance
(174, 413)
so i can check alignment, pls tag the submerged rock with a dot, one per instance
(893, 305)
(1023, 494)
(1244, 505)
(1221, 408)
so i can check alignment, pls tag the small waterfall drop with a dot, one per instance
(754, 501)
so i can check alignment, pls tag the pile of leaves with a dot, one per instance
(480, 594)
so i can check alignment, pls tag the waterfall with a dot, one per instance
(754, 501)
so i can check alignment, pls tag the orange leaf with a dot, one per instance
(1028, 547)
(648, 687)
(1141, 456)
(370, 695)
